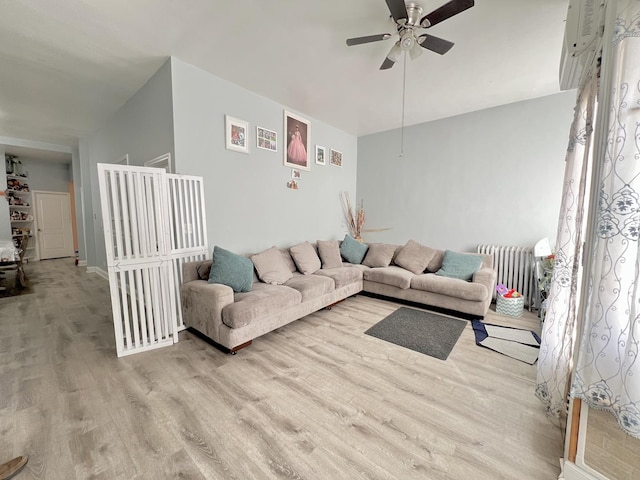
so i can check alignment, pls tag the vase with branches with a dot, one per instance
(355, 217)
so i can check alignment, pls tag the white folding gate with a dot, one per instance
(153, 223)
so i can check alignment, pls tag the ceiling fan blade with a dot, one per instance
(392, 57)
(435, 44)
(398, 10)
(447, 10)
(368, 39)
(387, 64)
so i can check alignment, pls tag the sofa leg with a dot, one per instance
(329, 307)
(234, 350)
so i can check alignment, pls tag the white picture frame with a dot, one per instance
(266, 139)
(321, 155)
(236, 134)
(297, 132)
(336, 158)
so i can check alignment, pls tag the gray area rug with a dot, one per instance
(425, 332)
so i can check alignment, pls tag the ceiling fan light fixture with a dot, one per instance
(408, 40)
(394, 53)
(415, 51)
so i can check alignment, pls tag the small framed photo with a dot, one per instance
(295, 174)
(336, 158)
(236, 134)
(321, 155)
(267, 139)
(297, 131)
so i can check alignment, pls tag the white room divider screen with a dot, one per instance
(153, 223)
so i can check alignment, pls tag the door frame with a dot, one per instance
(36, 219)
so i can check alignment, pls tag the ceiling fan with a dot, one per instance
(408, 23)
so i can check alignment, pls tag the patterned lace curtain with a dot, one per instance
(607, 373)
(558, 333)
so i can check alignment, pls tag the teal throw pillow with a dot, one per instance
(352, 250)
(232, 270)
(459, 265)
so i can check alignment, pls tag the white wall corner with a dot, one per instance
(102, 273)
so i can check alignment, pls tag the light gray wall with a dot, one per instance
(142, 128)
(46, 175)
(492, 176)
(249, 207)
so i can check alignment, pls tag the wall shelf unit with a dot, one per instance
(21, 212)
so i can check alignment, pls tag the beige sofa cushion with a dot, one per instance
(306, 258)
(311, 286)
(329, 251)
(453, 287)
(436, 261)
(342, 276)
(379, 255)
(415, 257)
(394, 276)
(262, 301)
(271, 266)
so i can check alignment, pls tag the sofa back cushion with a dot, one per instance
(329, 251)
(305, 257)
(379, 255)
(232, 270)
(352, 250)
(415, 257)
(271, 266)
(460, 265)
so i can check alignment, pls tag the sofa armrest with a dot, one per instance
(202, 305)
(486, 277)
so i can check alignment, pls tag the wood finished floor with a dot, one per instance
(317, 399)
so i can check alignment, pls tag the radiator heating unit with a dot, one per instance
(514, 266)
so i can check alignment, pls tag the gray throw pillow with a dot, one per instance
(232, 270)
(329, 251)
(459, 265)
(271, 267)
(306, 258)
(415, 257)
(379, 255)
(352, 250)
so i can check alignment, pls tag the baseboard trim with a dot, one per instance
(574, 472)
(82, 263)
(99, 271)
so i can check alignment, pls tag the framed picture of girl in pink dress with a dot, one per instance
(297, 134)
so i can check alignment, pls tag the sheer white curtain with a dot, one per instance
(607, 373)
(558, 334)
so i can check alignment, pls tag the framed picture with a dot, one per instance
(336, 158)
(266, 139)
(295, 174)
(297, 131)
(236, 133)
(321, 155)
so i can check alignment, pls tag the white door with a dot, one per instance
(53, 219)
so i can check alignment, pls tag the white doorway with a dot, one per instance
(53, 223)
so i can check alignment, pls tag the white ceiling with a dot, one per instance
(66, 66)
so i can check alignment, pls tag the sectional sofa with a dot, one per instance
(233, 299)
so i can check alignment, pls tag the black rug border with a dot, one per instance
(463, 323)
